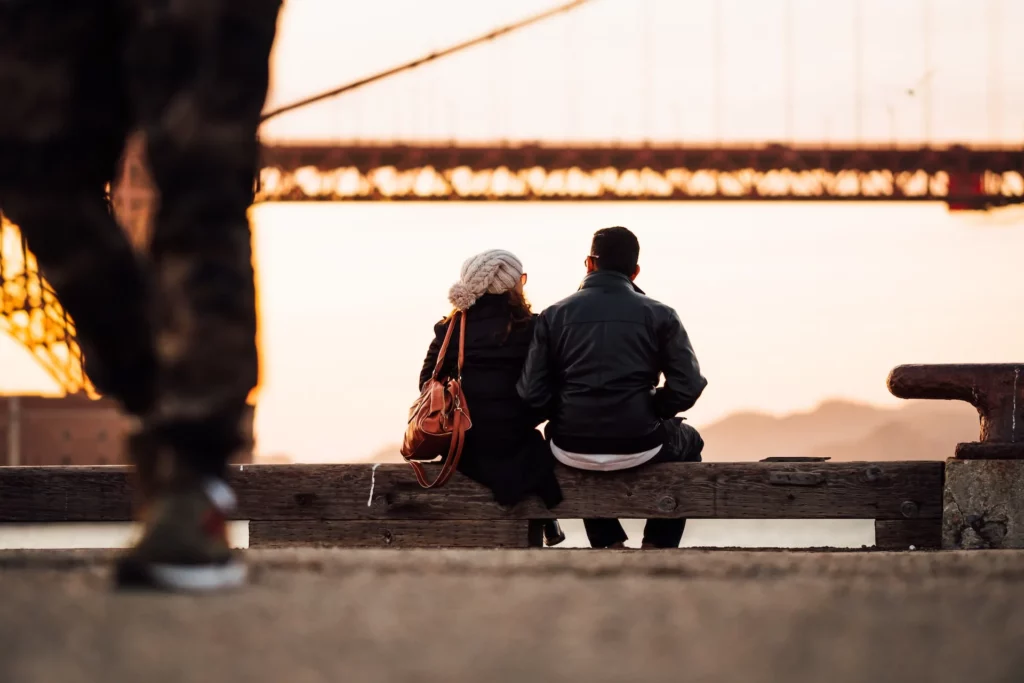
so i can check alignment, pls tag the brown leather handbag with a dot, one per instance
(439, 419)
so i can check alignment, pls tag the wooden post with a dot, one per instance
(14, 431)
(903, 534)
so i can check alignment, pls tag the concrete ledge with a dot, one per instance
(983, 505)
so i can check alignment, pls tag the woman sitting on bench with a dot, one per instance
(503, 450)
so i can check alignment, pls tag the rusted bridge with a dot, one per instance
(963, 177)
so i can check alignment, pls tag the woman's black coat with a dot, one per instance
(503, 451)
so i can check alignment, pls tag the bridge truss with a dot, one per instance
(963, 177)
(31, 314)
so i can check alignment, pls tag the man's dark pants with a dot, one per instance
(683, 443)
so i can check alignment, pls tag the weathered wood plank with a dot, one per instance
(900, 534)
(297, 492)
(72, 494)
(863, 490)
(851, 490)
(390, 533)
(707, 490)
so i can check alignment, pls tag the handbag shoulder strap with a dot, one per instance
(444, 345)
(462, 343)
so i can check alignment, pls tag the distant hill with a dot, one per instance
(841, 430)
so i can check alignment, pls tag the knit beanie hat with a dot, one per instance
(491, 272)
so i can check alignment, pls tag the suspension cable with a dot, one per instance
(523, 23)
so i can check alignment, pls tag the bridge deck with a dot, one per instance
(961, 176)
(504, 616)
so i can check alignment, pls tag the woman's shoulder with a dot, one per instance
(528, 323)
(522, 333)
(481, 326)
(441, 327)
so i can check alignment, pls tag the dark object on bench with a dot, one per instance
(995, 390)
(795, 458)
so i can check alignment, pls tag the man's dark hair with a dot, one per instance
(615, 249)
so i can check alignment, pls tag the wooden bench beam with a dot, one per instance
(855, 490)
(901, 534)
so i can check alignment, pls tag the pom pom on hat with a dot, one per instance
(461, 296)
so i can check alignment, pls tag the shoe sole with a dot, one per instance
(183, 578)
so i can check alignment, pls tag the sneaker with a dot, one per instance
(184, 545)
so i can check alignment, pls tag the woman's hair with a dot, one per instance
(519, 310)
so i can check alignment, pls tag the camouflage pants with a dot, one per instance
(170, 333)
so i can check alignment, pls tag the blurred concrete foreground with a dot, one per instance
(482, 616)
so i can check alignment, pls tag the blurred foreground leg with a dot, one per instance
(198, 73)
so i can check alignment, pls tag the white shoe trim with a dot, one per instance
(198, 578)
(220, 494)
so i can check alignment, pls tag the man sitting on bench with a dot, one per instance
(594, 366)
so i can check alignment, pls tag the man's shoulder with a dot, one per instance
(657, 312)
(568, 302)
(658, 305)
(586, 297)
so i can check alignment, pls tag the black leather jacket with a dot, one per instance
(596, 360)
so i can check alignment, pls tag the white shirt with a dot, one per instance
(602, 462)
